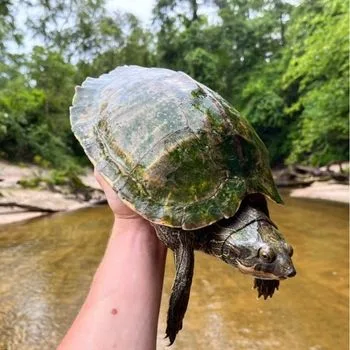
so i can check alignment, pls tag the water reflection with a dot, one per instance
(47, 265)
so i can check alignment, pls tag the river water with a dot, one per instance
(47, 266)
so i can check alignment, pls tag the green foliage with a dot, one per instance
(18, 105)
(264, 106)
(33, 182)
(133, 48)
(67, 176)
(8, 28)
(319, 72)
(285, 67)
(34, 119)
(203, 65)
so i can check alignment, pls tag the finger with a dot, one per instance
(101, 180)
(111, 194)
(104, 184)
(98, 177)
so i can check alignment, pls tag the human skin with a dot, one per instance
(122, 307)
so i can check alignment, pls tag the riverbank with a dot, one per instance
(326, 183)
(18, 203)
(323, 190)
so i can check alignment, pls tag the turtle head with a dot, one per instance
(251, 242)
(260, 250)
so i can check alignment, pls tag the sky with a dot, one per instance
(141, 8)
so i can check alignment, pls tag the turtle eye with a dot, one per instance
(290, 251)
(267, 254)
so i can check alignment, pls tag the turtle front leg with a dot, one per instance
(181, 242)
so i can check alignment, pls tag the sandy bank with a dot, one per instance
(18, 203)
(324, 190)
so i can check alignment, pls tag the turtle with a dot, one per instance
(182, 157)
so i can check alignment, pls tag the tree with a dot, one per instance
(318, 72)
(8, 30)
(252, 33)
(133, 47)
(186, 41)
(78, 29)
(285, 68)
(264, 104)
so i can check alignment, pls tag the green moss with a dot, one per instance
(33, 182)
(195, 175)
(108, 145)
(198, 93)
(199, 178)
(200, 214)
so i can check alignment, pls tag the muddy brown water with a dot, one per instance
(47, 266)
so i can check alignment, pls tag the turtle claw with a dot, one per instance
(171, 331)
(266, 288)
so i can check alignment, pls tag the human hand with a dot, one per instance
(126, 290)
(119, 209)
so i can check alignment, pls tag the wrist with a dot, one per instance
(132, 240)
(135, 233)
(132, 225)
(127, 216)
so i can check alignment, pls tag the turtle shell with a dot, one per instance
(174, 150)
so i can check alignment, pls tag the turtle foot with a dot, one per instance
(174, 325)
(266, 288)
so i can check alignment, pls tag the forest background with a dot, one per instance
(284, 65)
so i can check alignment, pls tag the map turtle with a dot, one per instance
(182, 157)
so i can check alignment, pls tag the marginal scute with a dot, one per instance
(174, 150)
